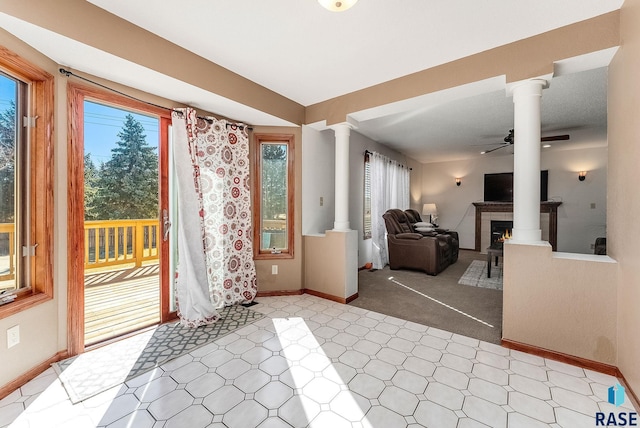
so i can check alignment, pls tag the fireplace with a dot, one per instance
(489, 211)
(500, 230)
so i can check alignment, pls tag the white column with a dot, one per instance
(527, 97)
(341, 221)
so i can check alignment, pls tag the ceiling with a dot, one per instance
(308, 54)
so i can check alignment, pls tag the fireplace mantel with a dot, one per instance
(550, 207)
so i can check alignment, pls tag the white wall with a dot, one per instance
(318, 180)
(578, 224)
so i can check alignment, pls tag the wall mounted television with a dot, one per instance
(499, 187)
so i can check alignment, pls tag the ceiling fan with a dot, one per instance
(508, 141)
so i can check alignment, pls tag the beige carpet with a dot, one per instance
(437, 301)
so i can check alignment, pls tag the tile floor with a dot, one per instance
(312, 362)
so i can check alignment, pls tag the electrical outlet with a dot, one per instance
(593, 205)
(321, 201)
(274, 269)
(13, 336)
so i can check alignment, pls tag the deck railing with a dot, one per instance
(117, 242)
(106, 243)
(7, 251)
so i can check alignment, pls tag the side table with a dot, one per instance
(495, 250)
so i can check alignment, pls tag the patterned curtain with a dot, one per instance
(215, 253)
(389, 189)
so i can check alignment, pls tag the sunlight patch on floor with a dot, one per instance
(440, 303)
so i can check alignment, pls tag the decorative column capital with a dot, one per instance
(342, 129)
(531, 87)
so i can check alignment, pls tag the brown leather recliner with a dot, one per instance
(450, 235)
(411, 250)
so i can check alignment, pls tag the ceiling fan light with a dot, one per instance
(337, 5)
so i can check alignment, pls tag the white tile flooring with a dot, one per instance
(313, 362)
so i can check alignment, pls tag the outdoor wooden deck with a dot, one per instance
(120, 301)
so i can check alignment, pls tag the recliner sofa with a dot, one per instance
(430, 252)
(453, 240)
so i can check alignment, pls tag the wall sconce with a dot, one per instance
(458, 182)
(582, 175)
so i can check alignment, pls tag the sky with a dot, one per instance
(102, 123)
(7, 92)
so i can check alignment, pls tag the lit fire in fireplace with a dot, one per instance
(506, 235)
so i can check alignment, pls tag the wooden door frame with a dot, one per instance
(76, 95)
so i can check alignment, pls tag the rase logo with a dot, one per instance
(620, 419)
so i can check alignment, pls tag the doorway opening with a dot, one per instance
(121, 251)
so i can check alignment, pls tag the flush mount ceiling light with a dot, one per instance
(337, 6)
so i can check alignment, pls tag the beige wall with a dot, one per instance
(560, 301)
(578, 224)
(289, 277)
(330, 263)
(623, 227)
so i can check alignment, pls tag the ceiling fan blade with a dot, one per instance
(555, 138)
(497, 148)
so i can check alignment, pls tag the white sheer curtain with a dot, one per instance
(389, 189)
(215, 252)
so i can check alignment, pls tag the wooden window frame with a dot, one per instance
(288, 140)
(40, 93)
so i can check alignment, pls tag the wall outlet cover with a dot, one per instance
(13, 336)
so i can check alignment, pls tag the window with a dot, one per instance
(26, 183)
(367, 198)
(273, 196)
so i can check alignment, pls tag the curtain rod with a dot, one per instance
(68, 73)
(367, 153)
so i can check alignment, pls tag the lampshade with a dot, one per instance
(429, 209)
(337, 6)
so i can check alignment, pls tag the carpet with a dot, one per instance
(435, 301)
(88, 374)
(476, 275)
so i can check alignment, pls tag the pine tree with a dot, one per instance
(127, 184)
(7, 163)
(274, 180)
(90, 188)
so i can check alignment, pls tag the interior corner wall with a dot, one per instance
(623, 196)
(578, 223)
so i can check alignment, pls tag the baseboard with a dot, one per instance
(352, 298)
(307, 291)
(20, 381)
(630, 393)
(280, 293)
(563, 358)
(325, 295)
